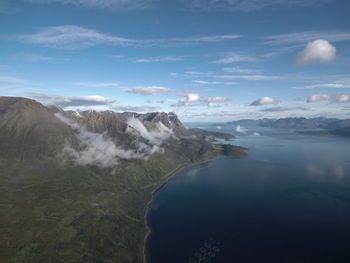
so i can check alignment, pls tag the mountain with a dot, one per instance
(304, 123)
(344, 132)
(75, 186)
(298, 123)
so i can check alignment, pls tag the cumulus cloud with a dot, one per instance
(316, 51)
(158, 136)
(264, 101)
(150, 90)
(335, 98)
(194, 99)
(71, 101)
(240, 129)
(189, 99)
(100, 150)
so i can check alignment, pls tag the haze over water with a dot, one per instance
(288, 201)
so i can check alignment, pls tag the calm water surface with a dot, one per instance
(289, 201)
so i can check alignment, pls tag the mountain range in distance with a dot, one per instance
(311, 126)
(75, 186)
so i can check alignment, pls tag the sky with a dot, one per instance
(205, 60)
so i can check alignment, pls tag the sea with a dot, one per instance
(288, 201)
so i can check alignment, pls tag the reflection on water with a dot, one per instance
(289, 201)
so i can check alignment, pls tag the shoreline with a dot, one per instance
(171, 174)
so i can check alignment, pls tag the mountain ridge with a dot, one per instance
(75, 186)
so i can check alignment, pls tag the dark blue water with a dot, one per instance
(289, 201)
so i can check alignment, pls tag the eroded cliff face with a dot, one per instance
(75, 185)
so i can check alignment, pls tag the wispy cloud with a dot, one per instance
(110, 4)
(301, 38)
(150, 90)
(315, 52)
(334, 98)
(97, 84)
(11, 80)
(242, 70)
(71, 101)
(264, 101)
(136, 108)
(233, 57)
(284, 109)
(100, 149)
(213, 82)
(159, 59)
(325, 86)
(249, 5)
(157, 136)
(37, 57)
(74, 37)
(248, 77)
(77, 37)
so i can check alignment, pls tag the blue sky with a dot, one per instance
(206, 60)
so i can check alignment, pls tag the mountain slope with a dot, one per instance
(61, 201)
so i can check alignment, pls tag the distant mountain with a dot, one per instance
(298, 123)
(344, 132)
(75, 185)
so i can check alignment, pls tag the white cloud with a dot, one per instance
(256, 134)
(11, 80)
(335, 98)
(150, 90)
(136, 108)
(159, 59)
(77, 37)
(73, 37)
(264, 101)
(316, 51)
(71, 101)
(325, 86)
(235, 57)
(284, 109)
(319, 97)
(249, 5)
(208, 39)
(213, 82)
(248, 77)
(110, 4)
(157, 137)
(37, 58)
(189, 99)
(98, 84)
(241, 70)
(99, 149)
(240, 129)
(194, 99)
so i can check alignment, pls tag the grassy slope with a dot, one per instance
(54, 213)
